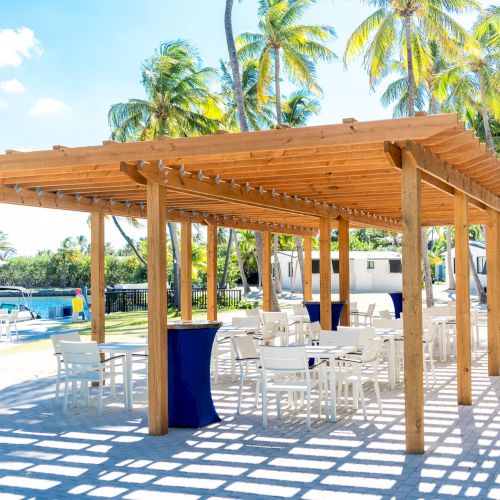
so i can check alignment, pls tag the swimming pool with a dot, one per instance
(41, 304)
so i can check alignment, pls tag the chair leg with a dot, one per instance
(377, 395)
(99, 398)
(58, 380)
(308, 410)
(426, 374)
(257, 392)
(278, 405)
(112, 378)
(362, 397)
(65, 400)
(355, 395)
(240, 390)
(264, 404)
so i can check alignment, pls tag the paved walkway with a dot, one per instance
(46, 454)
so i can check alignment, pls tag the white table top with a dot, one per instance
(328, 350)
(118, 346)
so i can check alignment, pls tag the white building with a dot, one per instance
(376, 271)
(478, 251)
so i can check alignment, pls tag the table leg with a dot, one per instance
(391, 364)
(233, 363)
(128, 380)
(333, 391)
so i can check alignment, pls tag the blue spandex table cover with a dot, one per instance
(314, 311)
(190, 401)
(397, 299)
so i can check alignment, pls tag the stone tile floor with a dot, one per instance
(46, 454)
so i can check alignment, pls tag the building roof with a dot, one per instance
(354, 254)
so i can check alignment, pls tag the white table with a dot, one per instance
(391, 336)
(330, 353)
(298, 320)
(127, 349)
(443, 322)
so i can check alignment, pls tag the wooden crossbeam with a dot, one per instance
(434, 166)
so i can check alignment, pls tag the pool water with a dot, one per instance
(40, 304)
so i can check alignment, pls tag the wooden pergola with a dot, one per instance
(397, 175)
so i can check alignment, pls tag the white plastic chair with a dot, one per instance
(246, 354)
(289, 366)
(12, 319)
(367, 316)
(56, 344)
(385, 314)
(82, 363)
(250, 322)
(362, 333)
(315, 328)
(389, 324)
(299, 310)
(282, 319)
(369, 359)
(253, 313)
(429, 337)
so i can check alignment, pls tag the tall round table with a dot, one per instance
(313, 308)
(190, 401)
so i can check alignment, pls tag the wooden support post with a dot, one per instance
(344, 291)
(97, 275)
(211, 272)
(412, 300)
(267, 281)
(325, 274)
(186, 272)
(157, 311)
(462, 276)
(493, 282)
(307, 278)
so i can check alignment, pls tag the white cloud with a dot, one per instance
(13, 86)
(3, 104)
(16, 45)
(49, 106)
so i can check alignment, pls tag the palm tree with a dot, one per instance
(6, 248)
(179, 103)
(299, 107)
(259, 117)
(401, 30)
(276, 266)
(223, 278)
(239, 256)
(179, 100)
(281, 40)
(473, 81)
(235, 70)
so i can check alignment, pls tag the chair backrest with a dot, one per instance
(244, 347)
(370, 310)
(385, 314)
(253, 313)
(269, 330)
(362, 333)
(246, 322)
(284, 358)
(353, 306)
(63, 337)
(390, 324)
(14, 314)
(335, 339)
(299, 310)
(474, 317)
(315, 327)
(437, 311)
(430, 331)
(272, 317)
(80, 353)
(371, 350)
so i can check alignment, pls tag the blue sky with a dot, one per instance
(63, 63)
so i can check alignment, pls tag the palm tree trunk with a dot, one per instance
(258, 244)
(235, 68)
(129, 241)
(277, 86)
(223, 278)
(246, 287)
(411, 75)
(449, 263)
(481, 295)
(177, 258)
(300, 258)
(429, 295)
(277, 277)
(486, 119)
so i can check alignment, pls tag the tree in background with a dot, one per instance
(299, 107)
(6, 248)
(281, 41)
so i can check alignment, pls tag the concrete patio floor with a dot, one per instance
(47, 454)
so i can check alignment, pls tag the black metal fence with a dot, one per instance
(137, 300)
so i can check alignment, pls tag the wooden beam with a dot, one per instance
(462, 278)
(344, 289)
(412, 300)
(434, 166)
(186, 272)
(212, 272)
(307, 278)
(267, 281)
(157, 311)
(221, 190)
(97, 276)
(325, 274)
(493, 295)
(244, 144)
